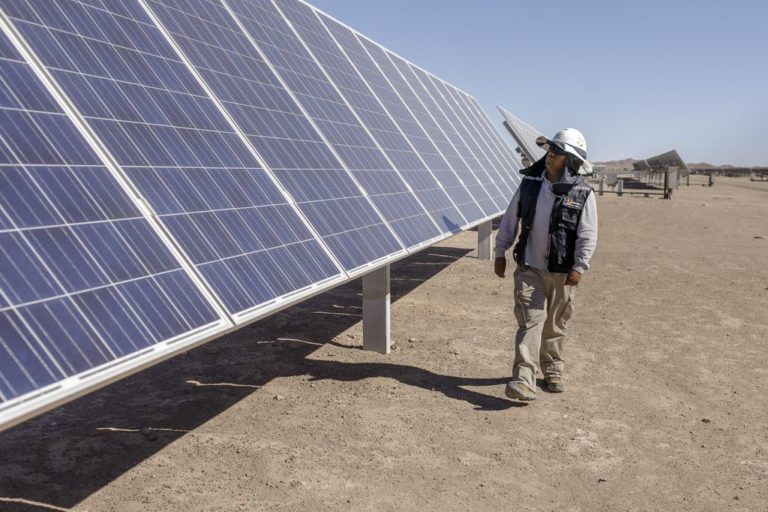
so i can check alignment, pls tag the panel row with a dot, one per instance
(172, 168)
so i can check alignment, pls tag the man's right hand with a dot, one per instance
(499, 266)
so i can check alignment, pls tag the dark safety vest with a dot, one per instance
(563, 221)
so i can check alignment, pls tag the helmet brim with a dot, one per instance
(586, 166)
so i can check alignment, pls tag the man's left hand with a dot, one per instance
(573, 278)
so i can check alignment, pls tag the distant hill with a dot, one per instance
(705, 165)
(616, 165)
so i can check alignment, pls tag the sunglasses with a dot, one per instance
(556, 150)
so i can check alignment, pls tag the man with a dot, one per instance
(558, 217)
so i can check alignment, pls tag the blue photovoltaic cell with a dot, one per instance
(389, 135)
(512, 161)
(174, 144)
(335, 120)
(483, 139)
(410, 113)
(84, 279)
(405, 121)
(261, 107)
(469, 133)
(509, 166)
(448, 122)
(396, 70)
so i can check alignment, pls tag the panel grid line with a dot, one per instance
(476, 144)
(338, 142)
(506, 151)
(342, 58)
(487, 140)
(21, 314)
(357, 109)
(247, 137)
(91, 256)
(451, 127)
(457, 145)
(242, 136)
(40, 70)
(201, 122)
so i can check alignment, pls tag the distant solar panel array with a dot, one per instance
(662, 162)
(172, 169)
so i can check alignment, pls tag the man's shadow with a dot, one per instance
(62, 457)
(450, 386)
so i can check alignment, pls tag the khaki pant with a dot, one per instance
(543, 305)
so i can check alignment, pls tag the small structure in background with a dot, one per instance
(665, 169)
(754, 173)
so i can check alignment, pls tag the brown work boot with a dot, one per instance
(519, 391)
(555, 385)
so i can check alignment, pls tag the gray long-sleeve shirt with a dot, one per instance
(537, 249)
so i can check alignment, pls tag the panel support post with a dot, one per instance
(484, 240)
(376, 311)
(620, 187)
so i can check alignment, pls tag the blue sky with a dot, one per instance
(638, 78)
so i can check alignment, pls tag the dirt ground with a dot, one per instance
(666, 404)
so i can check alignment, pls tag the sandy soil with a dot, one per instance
(665, 410)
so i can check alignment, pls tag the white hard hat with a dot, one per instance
(571, 141)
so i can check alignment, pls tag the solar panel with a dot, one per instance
(506, 167)
(86, 280)
(178, 150)
(274, 124)
(476, 141)
(448, 123)
(396, 69)
(464, 185)
(387, 61)
(462, 131)
(172, 169)
(342, 64)
(525, 135)
(660, 163)
(511, 163)
(362, 54)
(328, 110)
